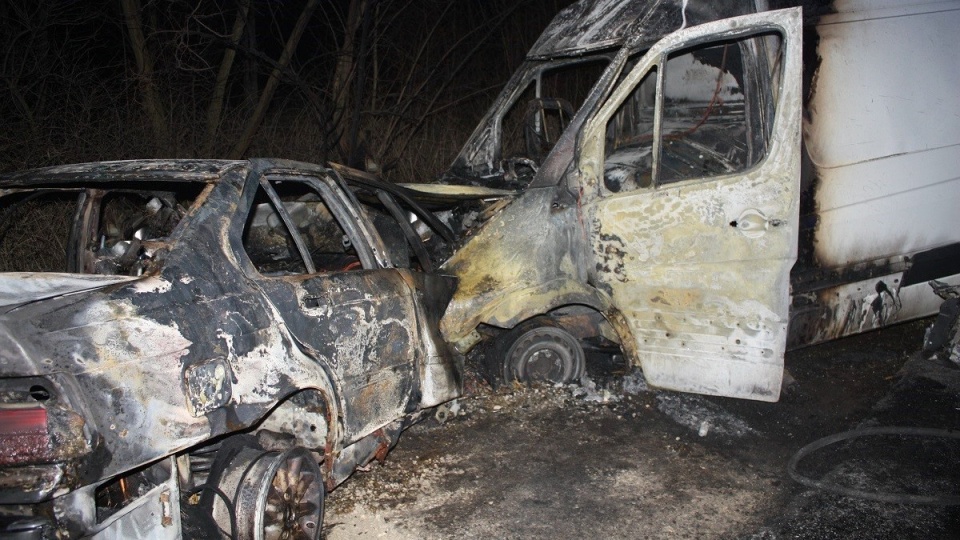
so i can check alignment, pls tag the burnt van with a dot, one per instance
(706, 185)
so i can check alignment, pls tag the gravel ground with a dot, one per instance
(615, 459)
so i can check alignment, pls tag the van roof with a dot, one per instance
(591, 25)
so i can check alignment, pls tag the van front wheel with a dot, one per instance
(541, 351)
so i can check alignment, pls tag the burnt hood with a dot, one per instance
(22, 287)
(452, 194)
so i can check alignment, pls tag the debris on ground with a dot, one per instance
(942, 338)
(587, 391)
(635, 383)
(704, 417)
(536, 462)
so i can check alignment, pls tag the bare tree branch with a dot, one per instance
(219, 89)
(253, 123)
(344, 73)
(145, 75)
(451, 75)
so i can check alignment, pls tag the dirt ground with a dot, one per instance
(615, 459)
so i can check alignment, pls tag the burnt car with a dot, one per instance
(205, 348)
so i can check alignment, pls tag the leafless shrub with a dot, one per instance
(34, 234)
(400, 84)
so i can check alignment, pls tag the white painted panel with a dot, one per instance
(887, 84)
(882, 208)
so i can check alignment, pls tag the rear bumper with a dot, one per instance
(25, 528)
(29, 484)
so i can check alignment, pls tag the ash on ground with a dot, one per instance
(612, 457)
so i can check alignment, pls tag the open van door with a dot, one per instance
(690, 177)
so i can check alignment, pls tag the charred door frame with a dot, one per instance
(290, 293)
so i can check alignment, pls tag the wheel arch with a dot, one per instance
(519, 305)
(581, 320)
(570, 298)
(297, 414)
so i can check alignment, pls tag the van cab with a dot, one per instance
(707, 184)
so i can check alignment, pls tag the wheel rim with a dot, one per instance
(294, 499)
(546, 354)
(273, 495)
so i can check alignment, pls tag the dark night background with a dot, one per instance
(398, 82)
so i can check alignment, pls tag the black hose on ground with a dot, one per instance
(896, 498)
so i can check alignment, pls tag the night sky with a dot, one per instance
(79, 90)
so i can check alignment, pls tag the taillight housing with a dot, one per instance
(24, 437)
(42, 440)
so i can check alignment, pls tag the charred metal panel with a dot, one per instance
(363, 324)
(693, 298)
(590, 25)
(851, 308)
(440, 380)
(174, 170)
(116, 372)
(526, 260)
(124, 362)
(207, 386)
(19, 287)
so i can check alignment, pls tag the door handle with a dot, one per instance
(753, 223)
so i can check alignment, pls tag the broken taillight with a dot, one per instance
(23, 435)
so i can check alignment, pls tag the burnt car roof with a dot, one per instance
(182, 170)
(210, 171)
(178, 170)
(199, 170)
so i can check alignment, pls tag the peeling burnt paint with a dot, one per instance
(539, 252)
(598, 24)
(202, 344)
(612, 251)
(208, 386)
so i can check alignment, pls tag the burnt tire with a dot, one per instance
(541, 351)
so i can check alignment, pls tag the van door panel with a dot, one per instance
(699, 266)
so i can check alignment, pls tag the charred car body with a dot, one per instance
(239, 335)
(661, 207)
